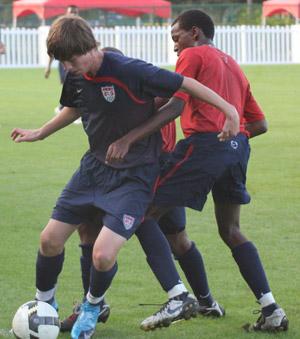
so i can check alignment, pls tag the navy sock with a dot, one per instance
(193, 267)
(247, 258)
(100, 281)
(47, 270)
(85, 264)
(158, 253)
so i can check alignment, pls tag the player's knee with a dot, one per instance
(231, 235)
(179, 243)
(49, 245)
(103, 261)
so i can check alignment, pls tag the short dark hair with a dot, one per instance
(195, 17)
(70, 35)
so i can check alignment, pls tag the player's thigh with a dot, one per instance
(56, 233)
(108, 245)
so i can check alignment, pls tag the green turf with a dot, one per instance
(32, 175)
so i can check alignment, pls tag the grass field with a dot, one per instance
(32, 175)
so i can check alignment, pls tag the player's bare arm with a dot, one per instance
(232, 123)
(257, 127)
(118, 149)
(63, 119)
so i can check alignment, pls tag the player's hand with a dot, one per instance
(116, 152)
(29, 135)
(231, 127)
(47, 73)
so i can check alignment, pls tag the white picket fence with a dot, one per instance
(247, 44)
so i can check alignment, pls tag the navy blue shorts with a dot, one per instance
(201, 163)
(122, 194)
(173, 221)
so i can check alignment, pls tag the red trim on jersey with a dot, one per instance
(168, 133)
(116, 82)
(160, 180)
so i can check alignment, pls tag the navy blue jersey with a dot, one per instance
(119, 98)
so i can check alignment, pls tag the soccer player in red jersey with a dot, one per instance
(200, 163)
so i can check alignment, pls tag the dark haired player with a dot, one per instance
(113, 94)
(200, 163)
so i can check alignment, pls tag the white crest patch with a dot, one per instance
(128, 221)
(234, 144)
(108, 93)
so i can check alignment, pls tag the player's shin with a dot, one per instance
(47, 271)
(181, 305)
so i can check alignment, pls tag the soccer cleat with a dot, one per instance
(215, 310)
(67, 324)
(85, 325)
(184, 306)
(277, 321)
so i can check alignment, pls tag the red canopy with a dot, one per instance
(272, 7)
(45, 9)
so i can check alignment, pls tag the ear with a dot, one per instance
(197, 33)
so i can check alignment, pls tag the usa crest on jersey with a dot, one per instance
(128, 221)
(109, 93)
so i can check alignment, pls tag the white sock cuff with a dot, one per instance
(45, 295)
(93, 300)
(176, 290)
(267, 299)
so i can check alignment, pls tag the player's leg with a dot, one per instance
(88, 233)
(247, 258)
(103, 270)
(190, 260)
(181, 305)
(50, 258)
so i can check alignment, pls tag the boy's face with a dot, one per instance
(182, 38)
(81, 64)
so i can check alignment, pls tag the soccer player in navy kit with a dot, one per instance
(200, 163)
(113, 95)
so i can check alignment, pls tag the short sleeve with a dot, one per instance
(158, 82)
(189, 65)
(69, 95)
(252, 111)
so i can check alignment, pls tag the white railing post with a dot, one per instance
(117, 33)
(295, 43)
(42, 37)
(243, 44)
(171, 54)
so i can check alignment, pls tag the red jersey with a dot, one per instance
(168, 133)
(220, 72)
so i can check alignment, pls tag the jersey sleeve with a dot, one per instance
(69, 95)
(189, 65)
(158, 82)
(252, 111)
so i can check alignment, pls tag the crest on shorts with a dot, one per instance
(128, 221)
(234, 144)
(108, 93)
